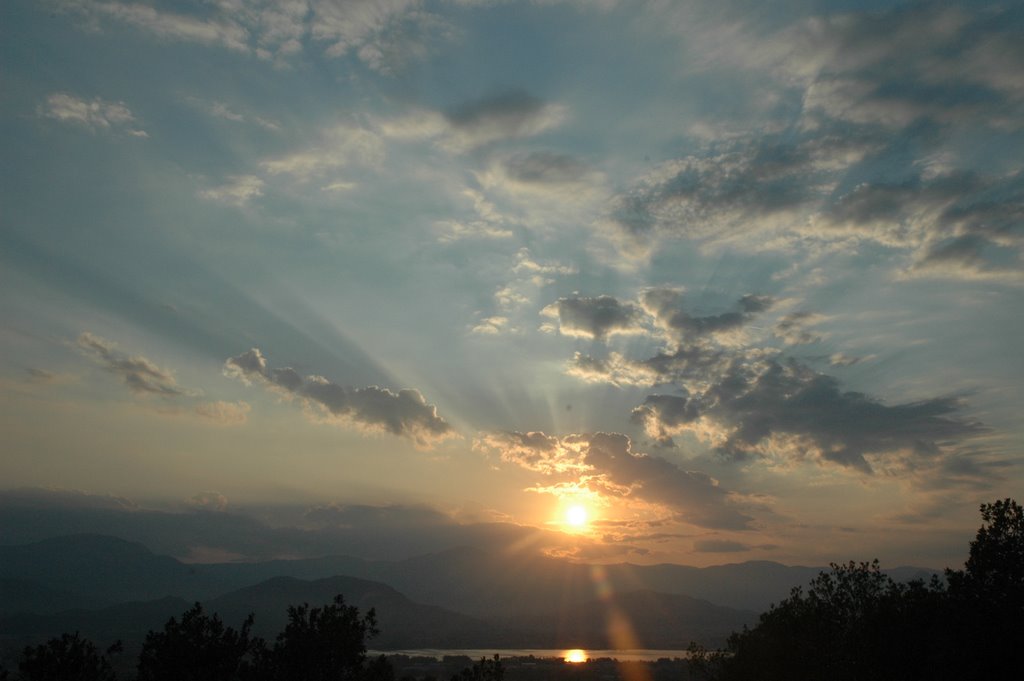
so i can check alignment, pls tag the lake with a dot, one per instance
(573, 655)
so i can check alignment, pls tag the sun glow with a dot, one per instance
(575, 656)
(576, 516)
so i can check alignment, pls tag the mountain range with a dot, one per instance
(109, 588)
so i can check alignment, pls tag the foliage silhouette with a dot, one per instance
(324, 644)
(988, 595)
(484, 670)
(199, 648)
(854, 622)
(68, 658)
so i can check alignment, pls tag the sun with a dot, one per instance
(576, 516)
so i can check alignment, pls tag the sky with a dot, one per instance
(739, 280)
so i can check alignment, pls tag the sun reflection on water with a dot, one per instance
(575, 655)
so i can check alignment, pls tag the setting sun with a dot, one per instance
(576, 516)
(575, 656)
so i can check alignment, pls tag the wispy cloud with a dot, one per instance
(339, 146)
(381, 34)
(238, 191)
(140, 375)
(95, 114)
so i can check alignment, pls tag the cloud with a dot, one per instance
(491, 326)
(726, 546)
(784, 408)
(513, 114)
(793, 328)
(223, 31)
(785, 195)
(555, 178)
(768, 182)
(749, 401)
(225, 112)
(489, 222)
(595, 318)
(381, 34)
(340, 146)
(615, 369)
(878, 152)
(39, 376)
(224, 413)
(388, 532)
(142, 376)
(840, 359)
(534, 451)
(97, 114)
(918, 61)
(605, 464)
(371, 409)
(665, 305)
(238, 191)
(208, 501)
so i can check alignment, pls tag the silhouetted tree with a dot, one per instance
(852, 623)
(68, 658)
(856, 623)
(995, 567)
(199, 648)
(324, 644)
(484, 670)
(987, 596)
(379, 669)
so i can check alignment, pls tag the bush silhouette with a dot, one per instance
(323, 644)
(68, 658)
(199, 648)
(854, 622)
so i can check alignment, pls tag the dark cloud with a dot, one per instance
(405, 413)
(926, 60)
(605, 463)
(804, 413)
(596, 318)
(793, 328)
(544, 167)
(963, 249)
(665, 305)
(509, 115)
(882, 94)
(142, 376)
(510, 109)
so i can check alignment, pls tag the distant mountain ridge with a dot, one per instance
(457, 598)
(106, 570)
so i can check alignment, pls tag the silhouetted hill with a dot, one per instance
(481, 583)
(104, 571)
(126, 621)
(107, 569)
(403, 622)
(26, 595)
